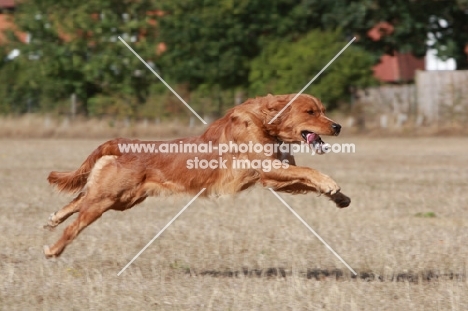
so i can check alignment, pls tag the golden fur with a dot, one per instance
(110, 179)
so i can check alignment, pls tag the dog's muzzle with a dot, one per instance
(336, 128)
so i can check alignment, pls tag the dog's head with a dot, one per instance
(303, 120)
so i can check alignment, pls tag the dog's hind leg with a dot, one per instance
(90, 211)
(110, 186)
(61, 215)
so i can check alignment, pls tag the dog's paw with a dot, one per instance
(328, 186)
(340, 200)
(51, 224)
(47, 253)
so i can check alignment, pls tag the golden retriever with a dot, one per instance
(112, 179)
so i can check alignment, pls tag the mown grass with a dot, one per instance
(248, 252)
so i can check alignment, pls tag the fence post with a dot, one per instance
(73, 106)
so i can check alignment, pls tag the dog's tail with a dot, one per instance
(74, 181)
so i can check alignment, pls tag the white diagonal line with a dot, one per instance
(313, 79)
(159, 77)
(312, 230)
(160, 232)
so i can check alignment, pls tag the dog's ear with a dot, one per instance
(241, 123)
(277, 102)
(271, 103)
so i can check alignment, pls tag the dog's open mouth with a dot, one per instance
(314, 141)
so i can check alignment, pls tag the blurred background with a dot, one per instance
(62, 64)
(64, 73)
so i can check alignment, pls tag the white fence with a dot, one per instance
(437, 97)
(442, 95)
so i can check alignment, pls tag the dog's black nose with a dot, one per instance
(337, 128)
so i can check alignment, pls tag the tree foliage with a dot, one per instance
(212, 42)
(214, 47)
(413, 21)
(286, 67)
(73, 48)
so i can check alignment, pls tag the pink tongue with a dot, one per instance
(310, 138)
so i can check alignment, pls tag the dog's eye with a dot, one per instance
(311, 112)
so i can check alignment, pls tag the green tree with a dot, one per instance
(212, 42)
(449, 27)
(73, 49)
(413, 21)
(286, 67)
(18, 90)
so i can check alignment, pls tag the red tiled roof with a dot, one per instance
(398, 68)
(7, 3)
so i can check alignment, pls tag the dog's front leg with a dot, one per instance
(303, 179)
(340, 199)
(313, 179)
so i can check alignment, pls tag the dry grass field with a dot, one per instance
(405, 233)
